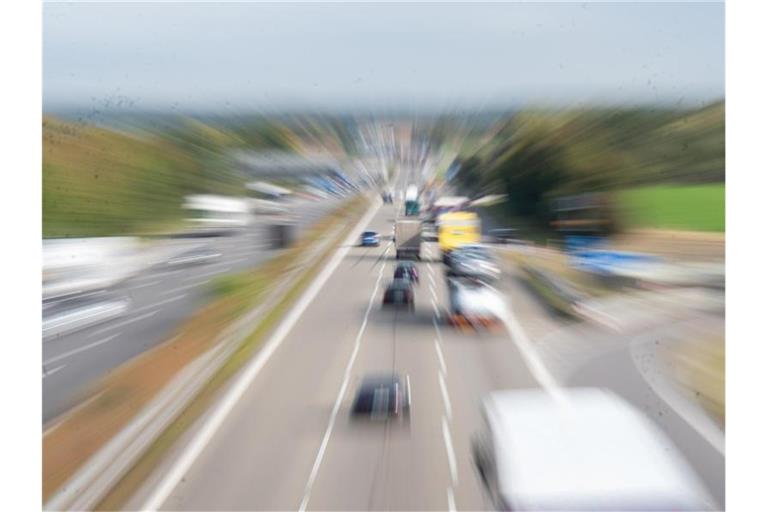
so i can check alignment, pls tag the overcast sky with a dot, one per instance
(240, 55)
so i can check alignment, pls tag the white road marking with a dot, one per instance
(339, 397)
(182, 465)
(61, 419)
(451, 501)
(222, 263)
(435, 307)
(432, 278)
(446, 398)
(440, 357)
(451, 454)
(81, 349)
(433, 292)
(186, 287)
(124, 322)
(51, 372)
(207, 274)
(530, 355)
(155, 275)
(152, 283)
(160, 303)
(234, 262)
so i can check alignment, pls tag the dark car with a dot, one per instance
(370, 239)
(382, 397)
(399, 293)
(407, 270)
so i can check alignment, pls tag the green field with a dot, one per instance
(688, 208)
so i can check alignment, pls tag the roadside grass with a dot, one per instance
(125, 391)
(699, 366)
(695, 208)
(557, 263)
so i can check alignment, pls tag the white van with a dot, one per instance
(590, 451)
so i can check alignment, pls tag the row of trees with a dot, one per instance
(536, 156)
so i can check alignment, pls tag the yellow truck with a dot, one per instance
(455, 229)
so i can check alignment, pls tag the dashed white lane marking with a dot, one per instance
(223, 263)
(446, 398)
(81, 349)
(155, 275)
(451, 501)
(450, 452)
(339, 397)
(124, 322)
(51, 372)
(159, 303)
(433, 292)
(435, 307)
(234, 262)
(432, 279)
(207, 274)
(151, 283)
(185, 287)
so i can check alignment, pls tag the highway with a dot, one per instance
(161, 298)
(288, 442)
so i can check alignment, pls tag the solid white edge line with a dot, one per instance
(339, 398)
(530, 356)
(446, 398)
(450, 452)
(451, 501)
(215, 420)
(81, 349)
(440, 357)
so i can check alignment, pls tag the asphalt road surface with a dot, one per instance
(161, 298)
(286, 446)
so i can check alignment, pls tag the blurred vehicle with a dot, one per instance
(455, 229)
(446, 204)
(66, 315)
(474, 304)
(412, 205)
(587, 450)
(408, 239)
(504, 235)
(197, 256)
(407, 270)
(381, 397)
(399, 293)
(218, 214)
(370, 239)
(475, 262)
